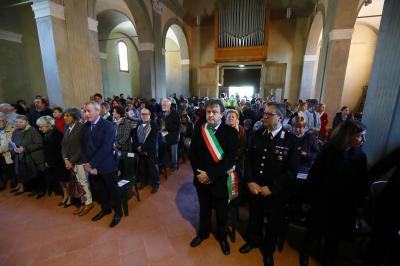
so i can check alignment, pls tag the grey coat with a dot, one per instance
(71, 144)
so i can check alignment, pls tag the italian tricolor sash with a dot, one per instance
(233, 185)
(212, 143)
(217, 153)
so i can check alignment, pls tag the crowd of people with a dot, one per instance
(270, 155)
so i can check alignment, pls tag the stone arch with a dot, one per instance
(311, 57)
(183, 87)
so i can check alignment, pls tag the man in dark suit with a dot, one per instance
(97, 155)
(170, 130)
(211, 171)
(144, 139)
(272, 163)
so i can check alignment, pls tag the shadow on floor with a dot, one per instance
(188, 204)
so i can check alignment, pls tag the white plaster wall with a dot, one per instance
(173, 68)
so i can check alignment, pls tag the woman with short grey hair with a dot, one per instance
(55, 173)
(6, 162)
(71, 153)
(27, 147)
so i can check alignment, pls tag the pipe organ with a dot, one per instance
(240, 30)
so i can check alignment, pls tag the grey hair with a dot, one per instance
(2, 116)
(106, 105)
(45, 121)
(74, 112)
(96, 105)
(22, 117)
(280, 108)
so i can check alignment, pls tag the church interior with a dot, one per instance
(339, 52)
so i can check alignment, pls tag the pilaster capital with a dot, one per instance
(48, 8)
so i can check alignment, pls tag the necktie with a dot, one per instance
(270, 136)
(315, 119)
(92, 126)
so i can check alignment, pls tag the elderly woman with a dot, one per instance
(232, 119)
(27, 145)
(6, 162)
(71, 153)
(55, 170)
(123, 130)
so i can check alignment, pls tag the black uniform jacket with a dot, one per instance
(273, 163)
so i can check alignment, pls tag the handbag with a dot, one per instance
(75, 188)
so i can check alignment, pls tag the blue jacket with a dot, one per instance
(97, 146)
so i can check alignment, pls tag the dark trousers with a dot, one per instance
(273, 211)
(106, 190)
(148, 168)
(7, 172)
(208, 201)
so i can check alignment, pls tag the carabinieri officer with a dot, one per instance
(272, 163)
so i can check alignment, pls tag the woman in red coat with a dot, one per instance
(324, 122)
(59, 119)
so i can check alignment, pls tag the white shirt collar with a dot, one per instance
(72, 127)
(97, 120)
(276, 131)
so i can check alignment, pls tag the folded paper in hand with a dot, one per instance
(164, 133)
(123, 182)
(302, 176)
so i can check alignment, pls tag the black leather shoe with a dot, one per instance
(115, 220)
(32, 194)
(303, 260)
(40, 195)
(66, 205)
(154, 189)
(100, 215)
(225, 247)
(268, 260)
(196, 241)
(246, 248)
(14, 190)
(19, 193)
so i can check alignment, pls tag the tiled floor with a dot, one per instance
(157, 232)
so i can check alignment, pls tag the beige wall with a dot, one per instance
(287, 41)
(118, 82)
(21, 70)
(362, 52)
(173, 68)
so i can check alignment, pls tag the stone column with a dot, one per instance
(336, 64)
(95, 54)
(159, 55)
(185, 64)
(382, 106)
(70, 54)
(147, 75)
(51, 27)
(307, 86)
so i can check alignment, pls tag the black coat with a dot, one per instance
(52, 154)
(273, 163)
(173, 126)
(201, 158)
(150, 144)
(338, 183)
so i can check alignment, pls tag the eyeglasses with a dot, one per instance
(269, 114)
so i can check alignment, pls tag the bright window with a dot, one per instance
(123, 56)
(242, 91)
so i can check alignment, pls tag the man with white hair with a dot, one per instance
(97, 139)
(170, 129)
(9, 111)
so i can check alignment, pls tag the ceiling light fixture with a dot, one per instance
(241, 66)
(367, 2)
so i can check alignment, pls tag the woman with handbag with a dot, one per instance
(27, 146)
(71, 153)
(55, 171)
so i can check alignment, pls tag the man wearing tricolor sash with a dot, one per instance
(212, 155)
